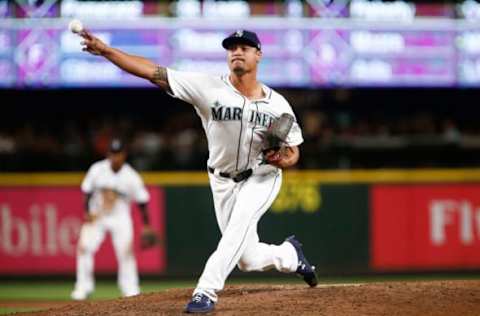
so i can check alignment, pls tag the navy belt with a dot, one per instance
(235, 176)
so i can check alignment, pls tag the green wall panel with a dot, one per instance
(192, 232)
(331, 221)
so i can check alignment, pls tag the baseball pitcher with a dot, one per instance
(109, 187)
(252, 135)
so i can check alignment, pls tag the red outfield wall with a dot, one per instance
(425, 227)
(39, 229)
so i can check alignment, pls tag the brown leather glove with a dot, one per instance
(148, 238)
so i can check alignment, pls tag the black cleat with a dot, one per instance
(304, 269)
(200, 303)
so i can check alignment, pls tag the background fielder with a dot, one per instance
(236, 111)
(109, 187)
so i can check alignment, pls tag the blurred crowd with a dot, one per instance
(74, 144)
(421, 139)
(333, 139)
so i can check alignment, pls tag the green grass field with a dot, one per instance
(45, 291)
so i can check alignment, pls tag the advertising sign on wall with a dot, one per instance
(39, 230)
(425, 226)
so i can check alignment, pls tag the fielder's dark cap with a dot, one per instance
(116, 145)
(244, 37)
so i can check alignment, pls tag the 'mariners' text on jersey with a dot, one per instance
(225, 113)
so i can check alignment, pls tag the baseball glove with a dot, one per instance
(277, 133)
(148, 239)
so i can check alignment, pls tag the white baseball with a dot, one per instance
(75, 26)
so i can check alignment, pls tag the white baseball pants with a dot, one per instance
(238, 208)
(91, 237)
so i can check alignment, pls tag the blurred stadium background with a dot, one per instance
(386, 92)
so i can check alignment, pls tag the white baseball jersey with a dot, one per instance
(113, 191)
(235, 126)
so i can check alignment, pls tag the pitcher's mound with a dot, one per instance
(386, 298)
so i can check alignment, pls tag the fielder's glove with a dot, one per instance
(276, 136)
(148, 239)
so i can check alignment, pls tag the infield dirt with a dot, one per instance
(385, 298)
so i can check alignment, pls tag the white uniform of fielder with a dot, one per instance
(235, 128)
(111, 195)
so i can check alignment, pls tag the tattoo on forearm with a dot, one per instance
(160, 74)
(160, 77)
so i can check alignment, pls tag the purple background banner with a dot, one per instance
(297, 53)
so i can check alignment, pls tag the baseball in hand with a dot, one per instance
(75, 26)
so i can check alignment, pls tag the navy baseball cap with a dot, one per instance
(116, 146)
(244, 37)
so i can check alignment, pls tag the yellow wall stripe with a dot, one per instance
(387, 176)
(319, 176)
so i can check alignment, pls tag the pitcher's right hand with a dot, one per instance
(93, 44)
